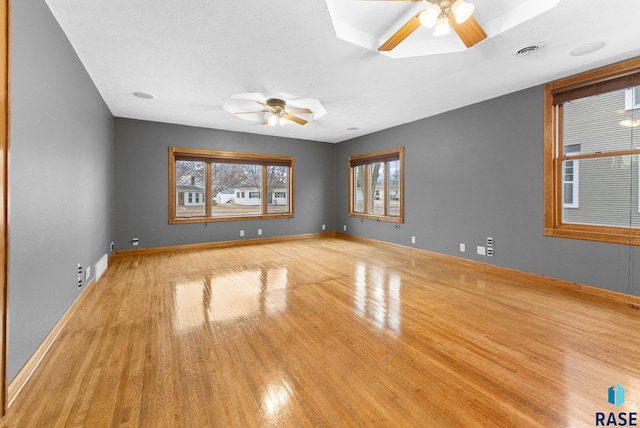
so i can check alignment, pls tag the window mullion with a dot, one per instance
(263, 190)
(208, 190)
(559, 179)
(385, 188)
(601, 154)
(367, 190)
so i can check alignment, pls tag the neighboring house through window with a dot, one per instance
(570, 177)
(592, 146)
(376, 185)
(194, 173)
(632, 98)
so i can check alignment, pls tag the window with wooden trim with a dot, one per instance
(234, 182)
(592, 143)
(376, 188)
(632, 98)
(571, 178)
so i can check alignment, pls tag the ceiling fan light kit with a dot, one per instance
(462, 10)
(442, 26)
(273, 120)
(366, 23)
(429, 16)
(444, 14)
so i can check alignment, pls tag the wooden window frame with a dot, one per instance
(367, 159)
(213, 156)
(602, 80)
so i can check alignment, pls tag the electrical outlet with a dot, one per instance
(135, 241)
(323, 227)
(489, 241)
(241, 232)
(112, 247)
(345, 227)
(79, 275)
(462, 248)
(490, 252)
(87, 273)
(259, 232)
(413, 239)
(481, 250)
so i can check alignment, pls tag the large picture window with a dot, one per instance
(592, 143)
(376, 185)
(235, 183)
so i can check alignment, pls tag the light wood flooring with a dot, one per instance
(329, 332)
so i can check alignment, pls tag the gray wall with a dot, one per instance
(61, 177)
(142, 202)
(478, 172)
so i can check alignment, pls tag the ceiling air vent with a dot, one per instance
(528, 50)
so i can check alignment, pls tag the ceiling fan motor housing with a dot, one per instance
(276, 103)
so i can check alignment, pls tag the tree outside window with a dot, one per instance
(235, 183)
(376, 185)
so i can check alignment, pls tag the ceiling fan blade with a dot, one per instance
(402, 33)
(299, 110)
(470, 32)
(294, 118)
(266, 120)
(273, 109)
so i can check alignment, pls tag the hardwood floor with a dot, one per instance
(329, 332)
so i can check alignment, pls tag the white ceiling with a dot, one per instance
(194, 55)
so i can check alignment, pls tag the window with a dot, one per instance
(592, 143)
(194, 173)
(376, 185)
(570, 177)
(632, 98)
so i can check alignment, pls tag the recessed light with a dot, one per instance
(143, 95)
(353, 128)
(587, 48)
(527, 50)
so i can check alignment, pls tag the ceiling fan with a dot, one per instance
(441, 14)
(276, 113)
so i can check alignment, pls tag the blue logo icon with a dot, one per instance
(616, 395)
